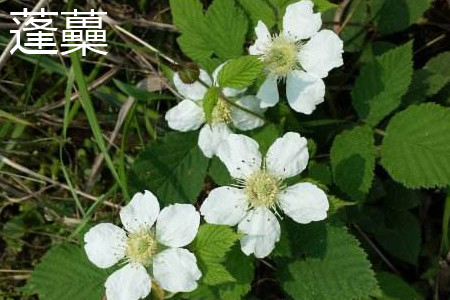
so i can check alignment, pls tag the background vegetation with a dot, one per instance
(79, 135)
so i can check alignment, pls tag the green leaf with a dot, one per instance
(391, 16)
(259, 10)
(219, 172)
(210, 247)
(379, 88)
(425, 83)
(394, 287)
(188, 18)
(240, 73)
(172, 168)
(398, 232)
(209, 102)
(335, 267)
(440, 64)
(242, 269)
(416, 148)
(320, 172)
(354, 37)
(353, 161)
(225, 29)
(66, 273)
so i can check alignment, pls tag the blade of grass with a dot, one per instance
(67, 120)
(92, 117)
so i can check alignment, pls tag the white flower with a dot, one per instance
(260, 191)
(291, 56)
(142, 245)
(189, 115)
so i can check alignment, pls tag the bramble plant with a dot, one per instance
(263, 149)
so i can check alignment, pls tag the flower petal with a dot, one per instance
(262, 231)
(132, 282)
(194, 91)
(176, 270)
(211, 136)
(322, 53)
(185, 116)
(177, 225)
(262, 39)
(228, 92)
(268, 92)
(141, 212)
(288, 155)
(243, 120)
(304, 91)
(225, 206)
(105, 244)
(304, 202)
(240, 154)
(300, 22)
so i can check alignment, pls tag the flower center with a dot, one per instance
(221, 112)
(262, 189)
(141, 246)
(281, 56)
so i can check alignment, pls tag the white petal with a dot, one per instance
(300, 22)
(105, 244)
(176, 270)
(132, 282)
(322, 53)
(185, 116)
(228, 92)
(240, 154)
(244, 120)
(304, 202)
(211, 136)
(268, 92)
(177, 225)
(304, 92)
(194, 91)
(141, 212)
(288, 155)
(225, 206)
(262, 231)
(262, 39)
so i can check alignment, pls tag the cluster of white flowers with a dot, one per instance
(303, 56)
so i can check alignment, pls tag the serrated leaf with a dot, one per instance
(394, 287)
(210, 246)
(353, 161)
(391, 16)
(209, 102)
(240, 73)
(225, 29)
(424, 84)
(66, 273)
(440, 64)
(173, 168)
(335, 267)
(379, 88)
(416, 148)
(242, 269)
(188, 18)
(259, 10)
(320, 172)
